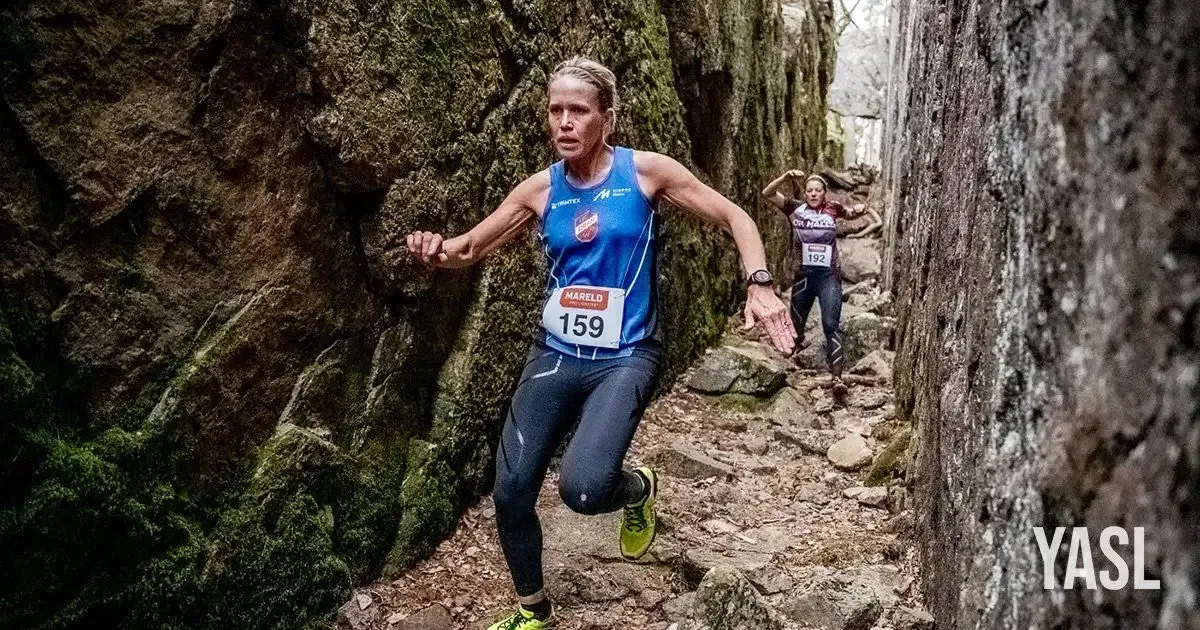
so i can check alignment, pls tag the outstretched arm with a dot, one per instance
(668, 179)
(496, 229)
(771, 192)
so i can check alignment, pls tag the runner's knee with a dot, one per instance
(586, 493)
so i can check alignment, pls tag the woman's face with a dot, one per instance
(814, 193)
(577, 123)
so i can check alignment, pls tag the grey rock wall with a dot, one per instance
(1041, 177)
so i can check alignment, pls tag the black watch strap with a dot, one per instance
(760, 277)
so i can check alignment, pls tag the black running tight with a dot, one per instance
(608, 397)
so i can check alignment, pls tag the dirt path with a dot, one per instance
(746, 482)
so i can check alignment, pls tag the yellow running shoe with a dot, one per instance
(638, 521)
(523, 620)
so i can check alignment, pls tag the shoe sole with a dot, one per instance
(654, 534)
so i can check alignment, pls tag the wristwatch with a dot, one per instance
(761, 277)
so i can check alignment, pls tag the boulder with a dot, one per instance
(868, 398)
(877, 363)
(815, 493)
(679, 608)
(770, 580)
(835, 604)
(873, 496)
(738, 370)
(859, 259)
(812, 355)
(756, 445)
(684, 461)
(884, 580)
(699, 561)
(574, 586)
(863, 333)
(905, 618)
(812, 441)
(850, 453)
(650, 598)
(359, 613)
(790, 407)
(725, 600)
(434, 617)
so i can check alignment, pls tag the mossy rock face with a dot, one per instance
(892, 461)
(16, 379)
(234, 394)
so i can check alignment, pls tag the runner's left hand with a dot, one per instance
(763, 306)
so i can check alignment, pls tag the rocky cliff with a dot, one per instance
(227, 393)
(1042, 177)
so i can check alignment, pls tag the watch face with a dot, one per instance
(761, 276)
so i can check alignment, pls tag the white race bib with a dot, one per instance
(588, 316)
(814, 255)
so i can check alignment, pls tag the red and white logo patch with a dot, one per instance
(587, 224)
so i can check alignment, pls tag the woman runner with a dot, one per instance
(815, 260)
(598, 355)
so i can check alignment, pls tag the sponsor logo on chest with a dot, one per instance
(590, 299)
(587, 225)
(611, 192)
(809, 220)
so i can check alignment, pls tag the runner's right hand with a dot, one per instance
(797, 173)
(426, 246)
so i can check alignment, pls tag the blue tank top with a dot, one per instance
(604, 236)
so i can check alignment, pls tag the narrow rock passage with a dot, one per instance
(764, 475)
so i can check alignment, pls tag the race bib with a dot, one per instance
(588, 316)
(814, 255)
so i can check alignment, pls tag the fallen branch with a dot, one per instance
(876, 224)
(867, 231)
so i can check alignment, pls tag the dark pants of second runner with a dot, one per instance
(608, 397)
(825, 285)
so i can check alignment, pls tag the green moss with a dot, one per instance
(313, 522)
(885, 430)
(891, 461)
(83, 495)
(430, 503)
(17, 381)
(743, 402)
(278, 570)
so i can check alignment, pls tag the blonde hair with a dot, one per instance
(817, 178)
(594, 74)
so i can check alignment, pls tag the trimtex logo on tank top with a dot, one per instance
(587, 224)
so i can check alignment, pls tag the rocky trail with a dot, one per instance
(779, 507)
